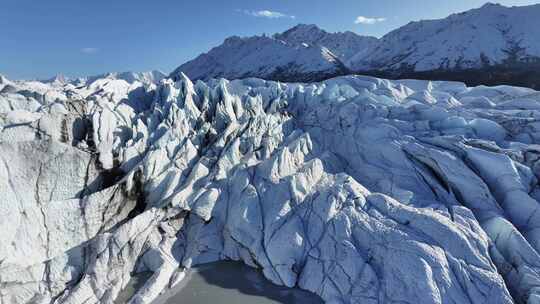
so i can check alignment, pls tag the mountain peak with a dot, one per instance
(301, 31)
(302, 27)
(302, 53)
(491, 5)
(231, 40)
(488, 35)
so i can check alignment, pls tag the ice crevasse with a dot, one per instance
(361, 190)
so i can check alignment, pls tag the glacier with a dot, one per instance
(358, 189)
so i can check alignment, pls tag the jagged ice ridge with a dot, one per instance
(361, 190)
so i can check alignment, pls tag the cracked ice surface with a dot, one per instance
(358, 189)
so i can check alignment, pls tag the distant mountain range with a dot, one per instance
(493, 44)
(130, 77)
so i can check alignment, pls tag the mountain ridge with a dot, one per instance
(152, 76)
(493, 44)
(296, 54)
(490, 35)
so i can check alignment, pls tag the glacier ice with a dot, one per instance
(361, 190)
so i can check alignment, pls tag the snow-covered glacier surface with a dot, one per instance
(361, 190)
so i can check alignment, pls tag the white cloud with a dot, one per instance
(89, 50)
(266, 14)
(368, 20)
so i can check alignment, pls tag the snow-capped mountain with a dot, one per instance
(342, 44)
(494, 44)
(490, 35)
(302, 53)
(148, 77)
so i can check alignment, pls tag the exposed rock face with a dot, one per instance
(359, 189)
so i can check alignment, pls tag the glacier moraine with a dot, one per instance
(358, 189)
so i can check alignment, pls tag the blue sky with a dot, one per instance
(40, 38)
